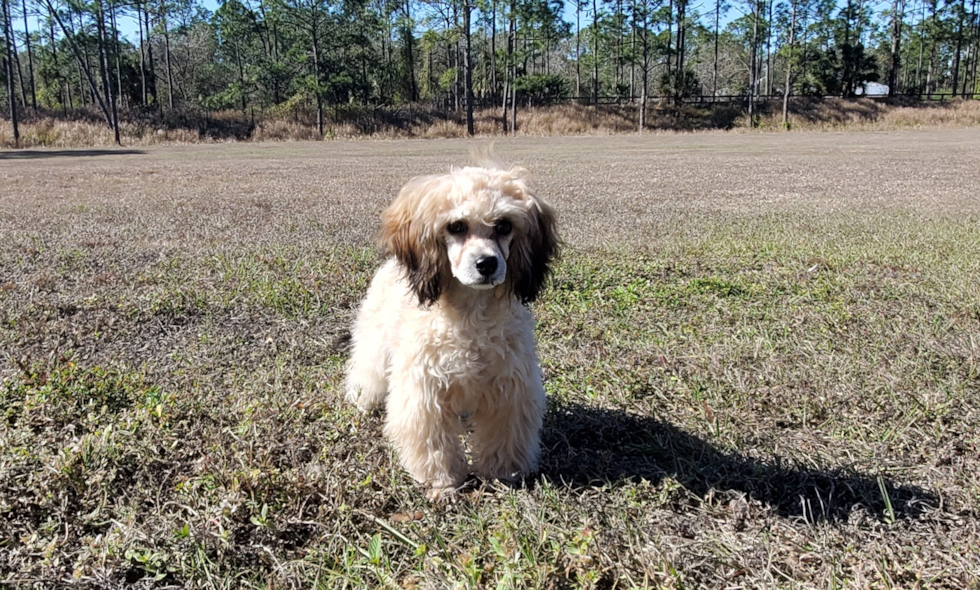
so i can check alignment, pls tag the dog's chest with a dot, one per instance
(472, 369)
(474, 354)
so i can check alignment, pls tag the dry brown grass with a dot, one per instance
(874, 115)
(567, 119)
(760, 352)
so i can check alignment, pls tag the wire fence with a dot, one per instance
(708, 99)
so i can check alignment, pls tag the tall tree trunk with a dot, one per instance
(930, 80)
(429, 86)
(457, 81)
(846, 52)
(456, 67)
(493, 48)
(386, 45)
(8, 49)
(106, 70)
(166, 51)
(315, 45)
(922, 41)
(468, 66)
(81, 65)
(595, 53)
(513, 67)
(30, 57)
(789, 64)
(410, 53)
(681, 33)
(505, 97)
(670, 43)
(143, 86)
(976, 50)
(633, 56)
(152, 72)
(644, 40)
(959, 48)
(769, 79)
(905, 61)
(365, 89)
(714, 73)
(898, 9)
(752, 70)
(547, 52)
(578, 49)
(619, 45)
(21, 83)
(118, 51)
(241, 79)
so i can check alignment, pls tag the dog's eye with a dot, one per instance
(456, 228)
(503, 228)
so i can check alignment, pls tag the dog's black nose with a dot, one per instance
(487, 265)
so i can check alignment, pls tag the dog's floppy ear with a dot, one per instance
(409, 234)
(535, 250)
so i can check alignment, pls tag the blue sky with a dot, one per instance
(128, 28)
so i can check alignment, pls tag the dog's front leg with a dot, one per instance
(506, 438)
(425, 433)
(365, 384)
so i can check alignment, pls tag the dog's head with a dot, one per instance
(482, 227)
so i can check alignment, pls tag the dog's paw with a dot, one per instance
(441, 494)
(355, 398)
(366, 401)
(363, 407)
(445, 488)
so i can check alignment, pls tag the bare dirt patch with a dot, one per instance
(761, 352)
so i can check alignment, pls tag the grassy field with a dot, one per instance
(762, 353)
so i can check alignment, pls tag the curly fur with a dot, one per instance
(443, 337)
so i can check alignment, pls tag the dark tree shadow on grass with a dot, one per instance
(586, 446)
(43, 154)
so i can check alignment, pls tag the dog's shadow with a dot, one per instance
(586, 446)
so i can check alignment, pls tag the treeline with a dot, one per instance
(291, 57)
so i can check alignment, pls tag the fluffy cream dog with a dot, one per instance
(443, 337)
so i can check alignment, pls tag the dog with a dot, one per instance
(444, 338)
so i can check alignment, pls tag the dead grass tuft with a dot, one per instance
(280, 130)
(878, 115)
